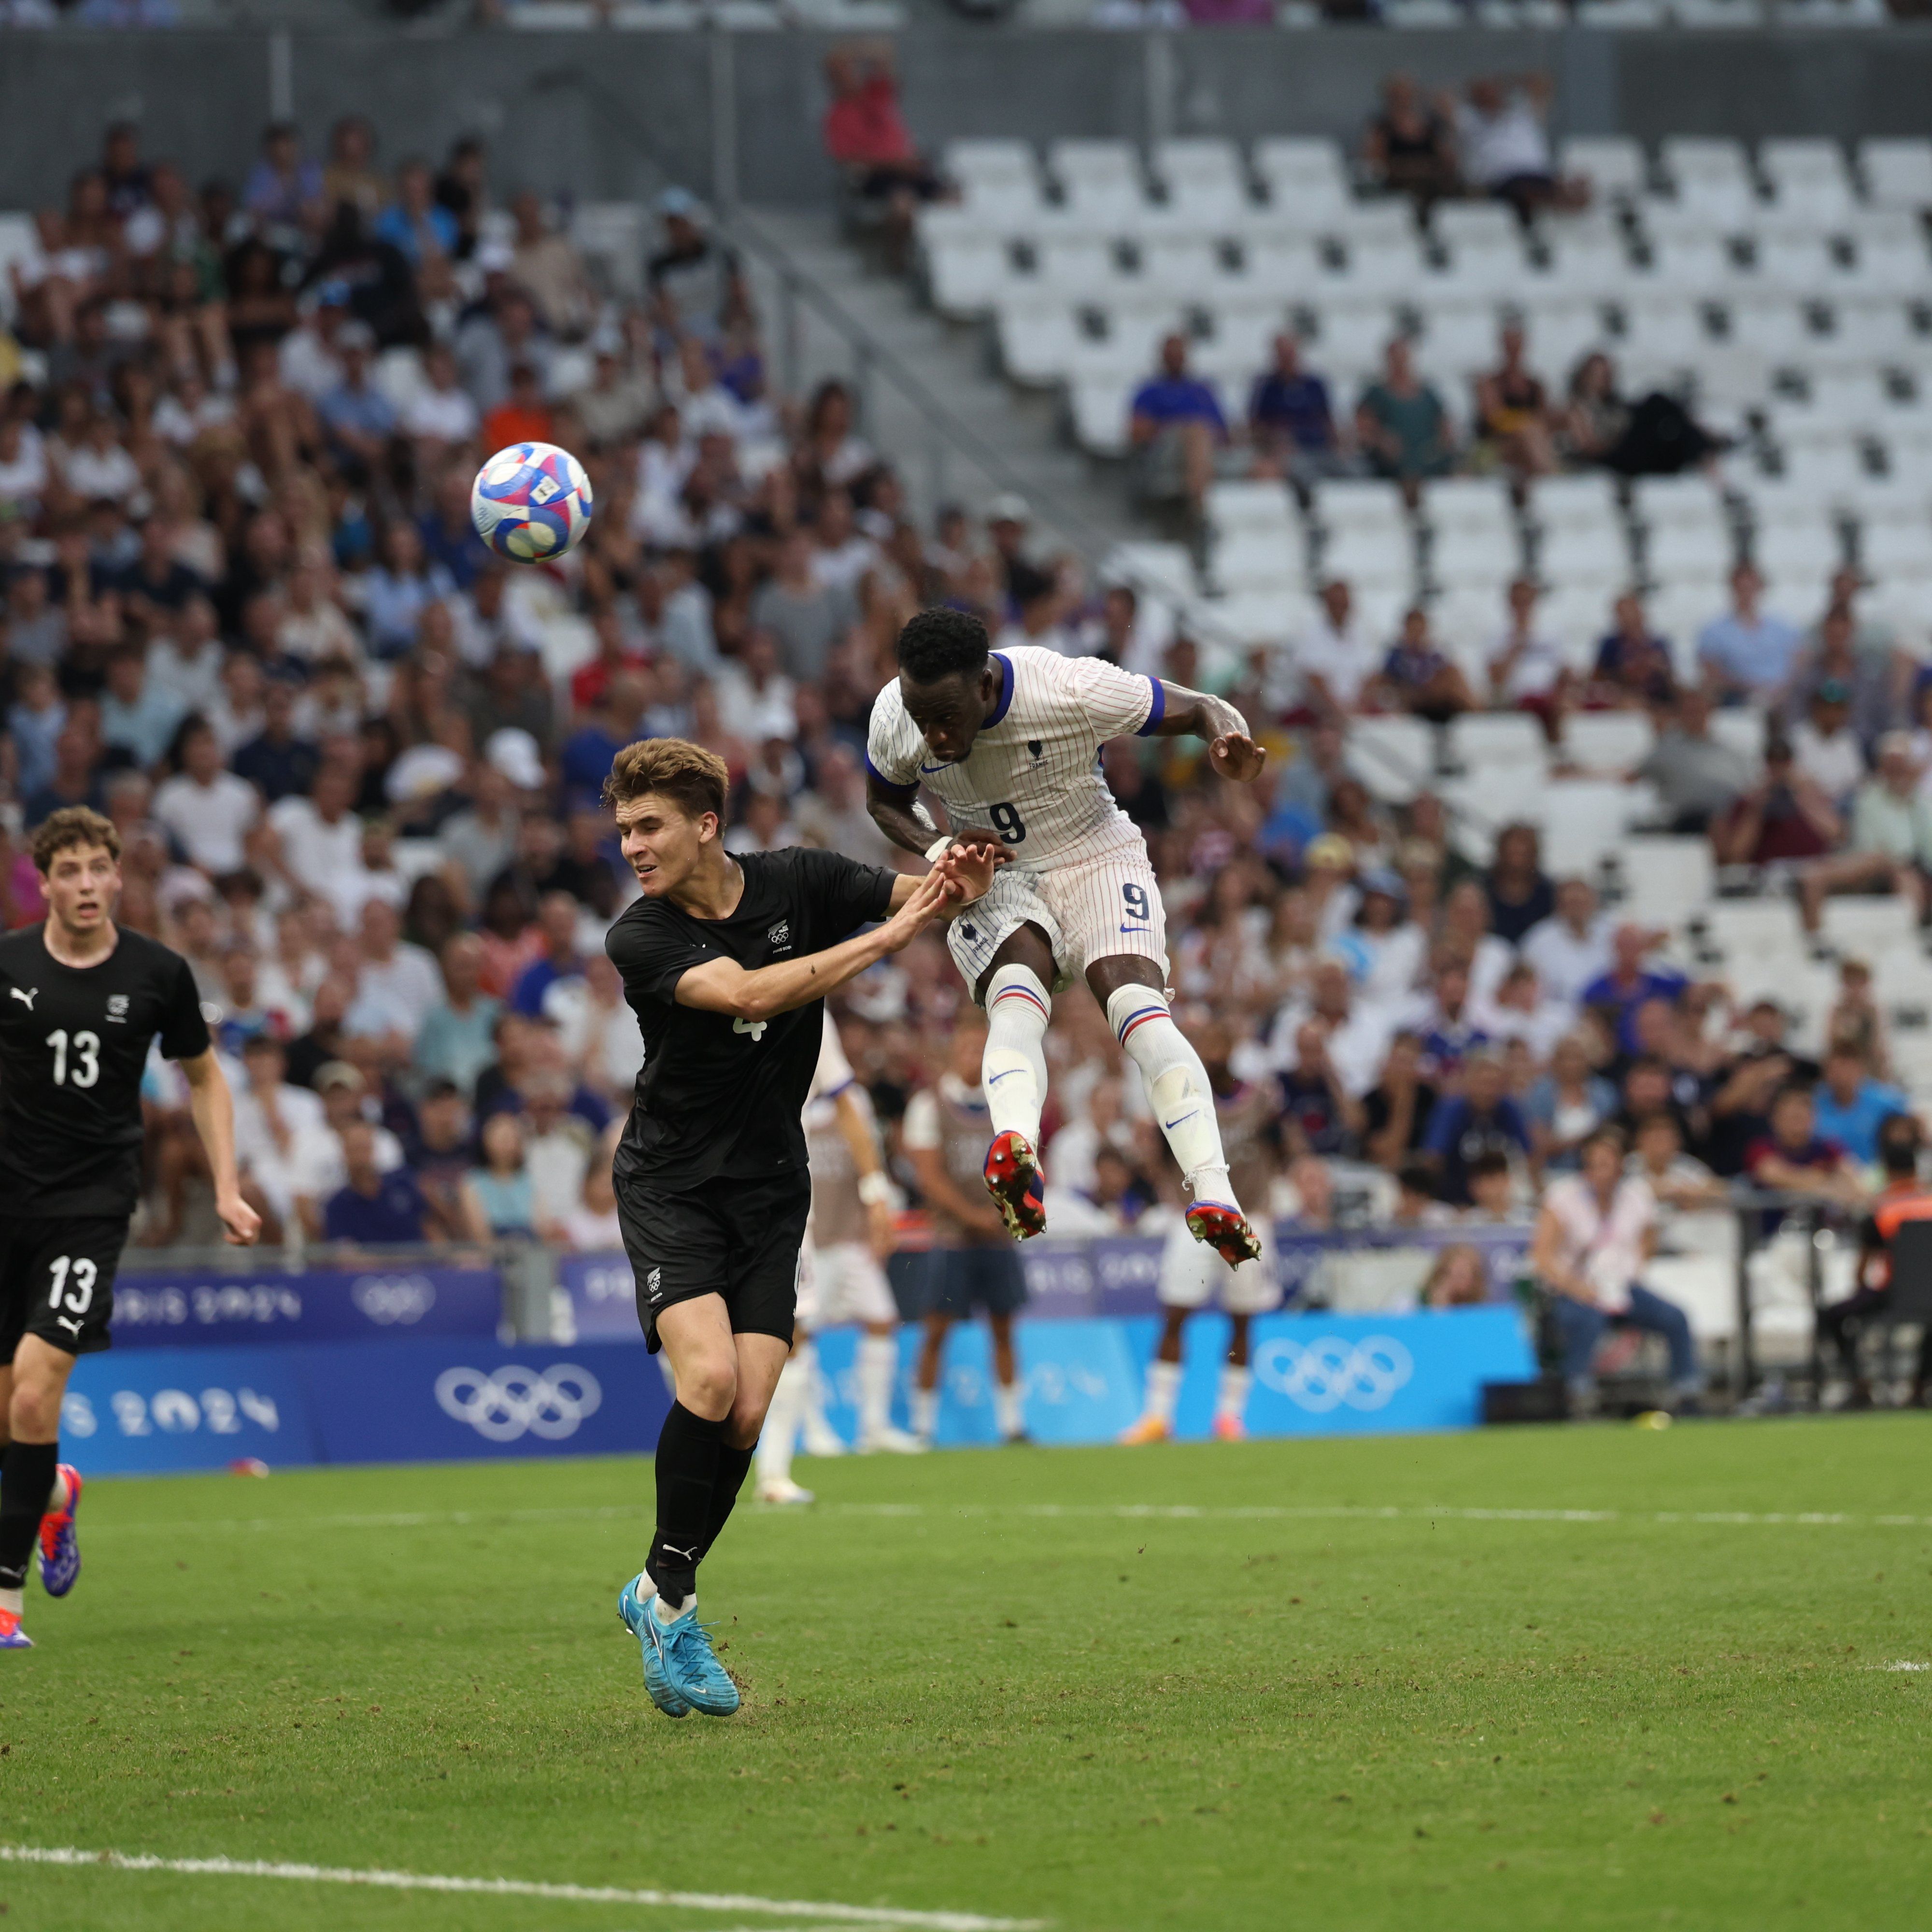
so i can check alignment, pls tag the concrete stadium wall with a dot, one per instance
(737, 115)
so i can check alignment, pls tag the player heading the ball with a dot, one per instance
(1009, 742)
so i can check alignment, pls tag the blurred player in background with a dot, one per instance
(1192, 1275)
(841, 1279)
(972, 1264)
(1010, 740)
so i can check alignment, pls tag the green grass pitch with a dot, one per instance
(1024, 1683)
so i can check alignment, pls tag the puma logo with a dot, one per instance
(26, 995)
(672, 1550)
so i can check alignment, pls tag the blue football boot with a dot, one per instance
(634, 1606)
(60, 1542)
(694, 1675)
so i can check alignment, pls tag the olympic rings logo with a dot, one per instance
(1323, 1375)
(388, 1300)
(515, 1401)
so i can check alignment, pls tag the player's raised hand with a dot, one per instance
(1235, 755)
(242, 1226)
(970, 869)
(929, 898)
(977, 835)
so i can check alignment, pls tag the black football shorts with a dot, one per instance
(739, 1239)
(57, 1280)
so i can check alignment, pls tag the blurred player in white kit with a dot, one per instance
(1192, 1277)
(1009, 741)
(842, 1278)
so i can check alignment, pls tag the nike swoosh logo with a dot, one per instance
(1137, 928)
(1171, 1125)
(926, 771)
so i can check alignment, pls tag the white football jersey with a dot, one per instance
(833, 1074)
(1033, 775)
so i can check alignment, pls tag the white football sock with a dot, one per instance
(15, 1600)
(1233, 1397)
(669, 1613)
(1012, 1069)
(1176, 1085)
(1163, 1389)
(779, 1436)
(821, 1438)
(57, 1495)
(1007, 1408)
(925, 1413)
(878, 1363)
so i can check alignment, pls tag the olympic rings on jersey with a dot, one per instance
(515, 1401)
(1323, 1375)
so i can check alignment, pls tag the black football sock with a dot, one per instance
(689, 1448)
(733, 1466)
(27, 1472)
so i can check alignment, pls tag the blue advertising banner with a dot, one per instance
(155, 1412)
(1313, 1375)
(601, 1293)
(430, 1401)
(193, 1310)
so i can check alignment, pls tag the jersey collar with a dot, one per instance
(1000, 710)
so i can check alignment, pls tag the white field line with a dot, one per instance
(839, 1915)
(1127, 1512)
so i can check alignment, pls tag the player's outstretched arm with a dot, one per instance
(213, 1108)
(904, 820)
(724, 986)
(1199, 714)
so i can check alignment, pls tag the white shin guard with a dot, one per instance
(1176, 1085)
(1013, 1067)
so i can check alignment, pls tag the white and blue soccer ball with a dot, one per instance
(531, 502)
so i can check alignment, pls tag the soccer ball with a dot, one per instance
(531, 502)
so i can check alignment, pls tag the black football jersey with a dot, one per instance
(73, 1045)
(717, 1095)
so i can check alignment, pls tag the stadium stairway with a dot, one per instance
(949, 359)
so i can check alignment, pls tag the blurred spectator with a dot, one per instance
(1292, 421)
(1417, 678)
(283, 188)
(1568, 1105)
(1849, 1105)
(560, 959)
(415, 224)
(1521, 896)
(1528, 670)
(499, 1195)
(1793, 1158)
(1514, 413)
(1890, 845)
(1175, 426)
(1903, 1199)
(458, 1037)
(1824, 747)
(1481, 1119)
(208, 811)
(866, 137)
(1596, 1234)
(374, 1208)
(1401, 423)
(1748, 652)
(1630, 983)
(1457, 1279)
(1337, 658)
(1697, 779)
(1410, 147)
(1505, 147)
(1633, 669)
(1783, 820)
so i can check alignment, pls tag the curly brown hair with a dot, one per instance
(694, 779)
(73, 825)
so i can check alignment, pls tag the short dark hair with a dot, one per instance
(1900, 1139)
(940, 644)
(1491, 1160)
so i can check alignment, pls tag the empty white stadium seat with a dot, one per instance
(1203, 178)
(1864, 924)
(1810, 183)
(1251, 505)
(1101, 181)
(1482, 742)
(1897, 173)
(1305, 180)
(1608, 741)
(1613, 164)
(999, 181)
(1395, 757)
(1666, 880)
(1753, 929)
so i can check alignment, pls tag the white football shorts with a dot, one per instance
(1094, 909)
(1193, 1276)
(840, 1284)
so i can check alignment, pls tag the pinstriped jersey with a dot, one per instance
(1033, 775)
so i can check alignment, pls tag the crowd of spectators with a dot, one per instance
(355, 763)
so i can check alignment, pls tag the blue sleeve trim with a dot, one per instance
(1156, 709)
(889, 785)
(1005, 700)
